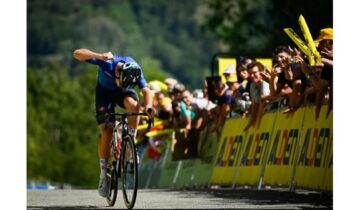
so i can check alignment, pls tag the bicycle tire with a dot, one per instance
(113, 177)
(129, 171)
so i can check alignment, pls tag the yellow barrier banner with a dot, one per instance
(231, 146)
(267, 62)
(256, 146)
(314, 165)
(328, 179)
(281, 159)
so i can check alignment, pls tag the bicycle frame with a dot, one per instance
(118, 152)
(123, 122)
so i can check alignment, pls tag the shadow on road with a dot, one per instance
(273, 197)
(65, 207)
(302, 199)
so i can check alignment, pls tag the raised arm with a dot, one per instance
(84, 54)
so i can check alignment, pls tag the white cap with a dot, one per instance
(171, 81)
(198, 93)
(154, 87)
(230, 69)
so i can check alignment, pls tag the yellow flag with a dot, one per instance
(308, 38)
(300, 44)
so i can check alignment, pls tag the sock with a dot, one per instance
(103, 168)
(133, 132)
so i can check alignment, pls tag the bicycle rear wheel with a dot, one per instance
(129, 172)
(113, 177)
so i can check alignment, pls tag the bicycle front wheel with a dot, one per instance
(129, 171)
(113, 177)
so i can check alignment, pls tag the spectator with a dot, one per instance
(321, 75)
(230, 74)
(164, 107)
(325, 34)
(233, 85)
(241, 64)
(224, 100)
(170, 82)
(259, 90)
(241, 96)
(204, 103)
(326, 51)
(239, 104)
(287, 78)
(279, 85)
(155, 89)
(198, 98)
(178, 143)
(196, 117)
(176, 96)
(192, 110)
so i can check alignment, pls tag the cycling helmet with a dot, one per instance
(130, 74)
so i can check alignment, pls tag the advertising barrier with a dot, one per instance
(282, 156)
(252, 159)
(289, 150)
(231, 148)
(314, 165)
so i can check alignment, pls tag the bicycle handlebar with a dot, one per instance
(127, 114)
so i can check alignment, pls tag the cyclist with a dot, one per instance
(117, 76)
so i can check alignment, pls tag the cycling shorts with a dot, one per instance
(104, 97)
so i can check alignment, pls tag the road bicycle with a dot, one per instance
(124, 164)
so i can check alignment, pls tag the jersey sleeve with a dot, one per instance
(99, 62)
(142, 82)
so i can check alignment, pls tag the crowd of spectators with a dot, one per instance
(249, 90)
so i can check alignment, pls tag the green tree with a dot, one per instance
(256, 27)
(62, 133)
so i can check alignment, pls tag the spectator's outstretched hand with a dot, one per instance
(296, 54)
(265, 75)
(319, 66)
(326, 61)
(327, 53)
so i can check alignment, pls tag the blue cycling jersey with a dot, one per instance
(106, 71)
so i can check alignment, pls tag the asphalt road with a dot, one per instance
(183, 200)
